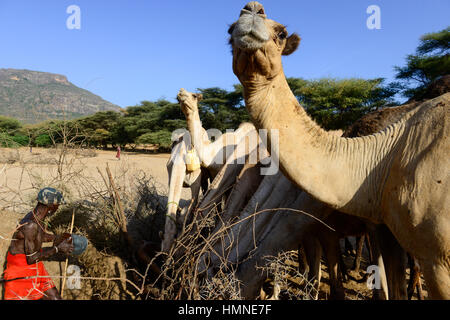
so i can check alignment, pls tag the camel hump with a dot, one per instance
(439, 105)
(437, 88)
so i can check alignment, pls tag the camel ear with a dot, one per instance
(292, 43)
(199, 96)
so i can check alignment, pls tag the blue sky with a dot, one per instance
(129, 51)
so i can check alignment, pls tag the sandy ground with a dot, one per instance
(19, 180)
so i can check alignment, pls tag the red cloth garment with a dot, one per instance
(25, 289)
(118, 153)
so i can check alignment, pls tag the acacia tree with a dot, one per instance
(221, 109)
(8, 130)
(430, 61)
(336, 104)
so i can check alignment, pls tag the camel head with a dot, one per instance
(258, 44)
(189, 102)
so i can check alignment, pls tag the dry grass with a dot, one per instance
(9, 157)
(284, 279)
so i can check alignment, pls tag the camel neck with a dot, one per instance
(196, 130)
(330, 168)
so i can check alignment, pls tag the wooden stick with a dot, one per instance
(106, 184)
(3, 169)
(67, 259)
(120, 211)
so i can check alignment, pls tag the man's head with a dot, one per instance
(50, 198)
(258, 44)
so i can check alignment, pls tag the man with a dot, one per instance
(25, 254)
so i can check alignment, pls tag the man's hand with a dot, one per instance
(66, 246)
(60, 238)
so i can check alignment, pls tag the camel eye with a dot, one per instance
(282, 35)
(261, 11)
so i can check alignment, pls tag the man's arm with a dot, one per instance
(48, 237)
(33, 250)
(33, 247)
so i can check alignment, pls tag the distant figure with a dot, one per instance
(118, 153)
(31, 149)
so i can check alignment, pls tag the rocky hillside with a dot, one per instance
(33, 96)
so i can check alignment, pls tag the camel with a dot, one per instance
(397, 177)
(387, 251)
(211, 154)
(248, 182)
(244, 192)
(179, 177)
(231, 148)
(394, 258)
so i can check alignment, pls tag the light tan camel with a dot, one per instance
(314, 233)
(179, 177)
(387, 251)
(213, 155)
(231, 148)
(398, 177)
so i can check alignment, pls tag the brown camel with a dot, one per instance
(398, 176)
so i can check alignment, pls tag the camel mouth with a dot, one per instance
(250, 42)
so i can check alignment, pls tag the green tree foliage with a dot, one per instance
(9, 133)
(430, 61)
(336, 104)
(221, 109)
(43, 140)
(6, 141)
(333, 103)
(161, 138)
(21, 139)
(151, 123)
(8, 124)
(99, 129)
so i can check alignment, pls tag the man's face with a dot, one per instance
(52, 208)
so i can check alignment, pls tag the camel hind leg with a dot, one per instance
(437, 279)
(330, 244)
(313, 253)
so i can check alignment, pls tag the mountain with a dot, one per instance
(33, 96)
